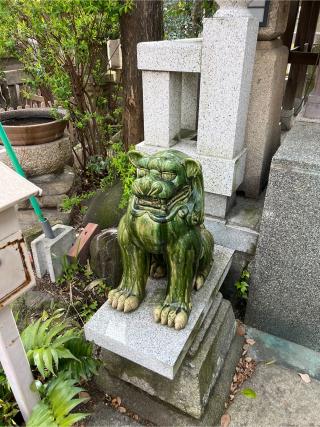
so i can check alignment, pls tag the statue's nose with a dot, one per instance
(141, 186)
(155, 189)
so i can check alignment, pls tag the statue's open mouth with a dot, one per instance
(162, 205)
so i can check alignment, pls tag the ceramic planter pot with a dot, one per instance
(32, 126)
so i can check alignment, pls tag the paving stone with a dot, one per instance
(283, 399)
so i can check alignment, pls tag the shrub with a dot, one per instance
(62, 44)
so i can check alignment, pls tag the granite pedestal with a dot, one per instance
(285, 293)
(178, 368)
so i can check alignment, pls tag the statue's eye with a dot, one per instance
(141, 172)
(168, 176)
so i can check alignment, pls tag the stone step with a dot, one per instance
(190, 389)
(158, 348)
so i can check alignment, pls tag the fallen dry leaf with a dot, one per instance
(225, 420)
(241, 330)
(270, 362)
(84, 394)
(250, 341)
(305, 378)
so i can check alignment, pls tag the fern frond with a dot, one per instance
(54, 409)
(85, 366)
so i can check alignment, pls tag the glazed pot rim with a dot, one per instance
(26, 110)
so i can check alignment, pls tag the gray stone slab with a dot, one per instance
(162, 414)
(104, 416)
(136, 337)
(284, 292)
(283, 399)
(191, 387)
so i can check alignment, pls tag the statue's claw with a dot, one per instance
(180, 320)
(121, 300)
(131, 303)
(199, 282)
(171, 315)
(164, 315)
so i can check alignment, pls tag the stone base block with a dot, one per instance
(217, 205)
(49, 254)
(56, 183)
(163, 414)
(136, 337)
(191, 387)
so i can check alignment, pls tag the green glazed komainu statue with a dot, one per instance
(163, 231)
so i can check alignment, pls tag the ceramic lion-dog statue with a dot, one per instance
(162, 231)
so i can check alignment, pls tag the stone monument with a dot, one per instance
(284, 293)
(188, 366)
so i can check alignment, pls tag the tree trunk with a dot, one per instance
(143, 23)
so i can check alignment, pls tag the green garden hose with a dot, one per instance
(34, 202)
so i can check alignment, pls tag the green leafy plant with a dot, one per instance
(85, 366)
(69, 270)
(120, 167)
(8, 407)
(242, 285)
(63, 46)
(50, 344)
(57, 403)
(60, 358)
(87, 310)
(69, 202)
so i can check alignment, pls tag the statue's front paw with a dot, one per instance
(174, 315)
(123, 300)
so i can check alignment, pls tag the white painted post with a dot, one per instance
(15, 363)
(16, 276)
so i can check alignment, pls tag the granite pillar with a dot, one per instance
(263, 125)
(284, 292)
(162, 106)
(228, 51)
